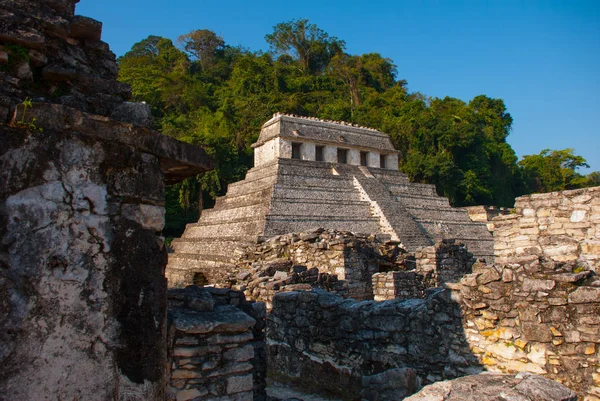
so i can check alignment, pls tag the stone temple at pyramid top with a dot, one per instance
(305, 138)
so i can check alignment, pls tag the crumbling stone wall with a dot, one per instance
(562, 226)
(540, 317)
(341, 262)
(82, 287)
(444, 262)
(398, 285)
(486, 214)
(321, 341)
(216, 345)
(48, 54)
(433, 266)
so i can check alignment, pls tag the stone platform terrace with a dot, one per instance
(311, 173)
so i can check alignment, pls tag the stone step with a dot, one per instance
(412, 189)
(225, 228)
(333, 181)
(251, 198)
(422, 201)
(316, 208)
(255, 211)
(246, 186)
(389, 176)
(209, 246)
(277, 225)
(439, 214)
(304, 167)
(316, 193)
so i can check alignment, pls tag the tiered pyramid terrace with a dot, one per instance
(313, 173)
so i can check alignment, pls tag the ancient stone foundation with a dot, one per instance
(320, 341)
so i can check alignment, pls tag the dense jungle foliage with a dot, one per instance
(205, 92)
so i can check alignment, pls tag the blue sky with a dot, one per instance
(541, 57)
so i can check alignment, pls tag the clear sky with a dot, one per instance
(541, 57)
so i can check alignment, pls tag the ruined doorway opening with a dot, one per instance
(363, 158)
(342, 156)
(319, 153)
(296, 154)
(199, 279)
(382, 161)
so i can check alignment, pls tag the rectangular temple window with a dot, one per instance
(319, 150)
(363, 158)
(382, 161)
(342, 156)
(296, 150)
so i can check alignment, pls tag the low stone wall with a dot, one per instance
(216, 346)
(561, 226)
(444, 262)
(321, 341)
(540, 317)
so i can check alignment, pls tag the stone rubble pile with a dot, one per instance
(337, 261)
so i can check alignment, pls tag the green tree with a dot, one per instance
(593, 179)
(553, 170)
(305, 42)
(202, 45)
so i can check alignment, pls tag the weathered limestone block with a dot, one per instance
(487, 386)
(85, 28)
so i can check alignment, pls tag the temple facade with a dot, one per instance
(311, 139)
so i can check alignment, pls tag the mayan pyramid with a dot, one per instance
(311, 173)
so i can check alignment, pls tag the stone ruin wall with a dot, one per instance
(540, 318)
(341, 262)
(433, 266)
(82, 286)
(324, 342)
(216, 346)
(486, 214)
(350, 265)
(561, 226)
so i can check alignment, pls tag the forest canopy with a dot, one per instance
(203, 91)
